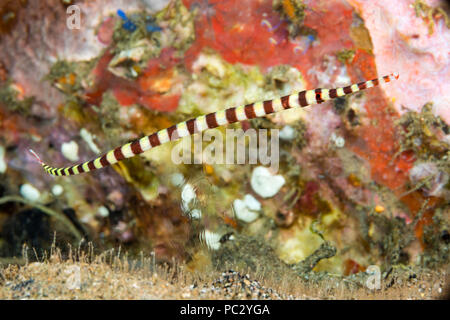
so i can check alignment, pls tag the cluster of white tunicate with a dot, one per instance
(29, 192)
(264, 183)
(338, 140)
(70, 151)
(57, 190)
(103, 211)
(287, 133)
(247, 210)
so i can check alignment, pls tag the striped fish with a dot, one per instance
(213, 120)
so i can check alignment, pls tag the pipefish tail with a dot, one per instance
(213, 120)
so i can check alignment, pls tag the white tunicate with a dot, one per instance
(188, 193)
(29, 192)
(177, 179)
(57, 190)
(252, 203)
(287, 133)
(338, 140)
(264, 183)
(70, 151)
(103, 211)
(195, 214)
(242, 212)
(86, 219)
(89, 139)
(3, 164)
(247, 210)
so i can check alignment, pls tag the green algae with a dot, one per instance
(109, 117)
(391, 237)
(217, 84)
(252, 253)
(301, 130)
(430, 14)
(124, 39)
(325, 251)
(419, 133)
(133, 49)
(249, 253)
(9, 98)
(437, 241)
(74, 109)
(181, 23)
(346, 55)
(60, 69)
(69, 76)
(360, 35)
(294, 11)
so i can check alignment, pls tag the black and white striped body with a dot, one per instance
(213, 120)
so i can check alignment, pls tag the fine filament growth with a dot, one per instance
(213, 120)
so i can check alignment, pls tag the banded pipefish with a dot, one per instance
(213, 120)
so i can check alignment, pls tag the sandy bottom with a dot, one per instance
(109, 276)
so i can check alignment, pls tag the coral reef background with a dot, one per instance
(363, 180)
